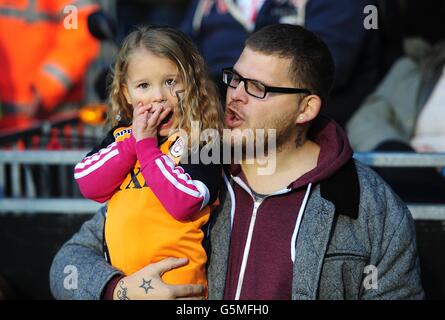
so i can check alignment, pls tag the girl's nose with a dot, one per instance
(159, 95)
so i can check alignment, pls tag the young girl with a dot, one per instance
(157, 205)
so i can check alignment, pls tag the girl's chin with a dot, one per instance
(163, 132)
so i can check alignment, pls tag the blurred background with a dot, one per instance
(55, 62)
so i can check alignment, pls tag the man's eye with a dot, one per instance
(170, 82)
(235, 79)
(257, 86)
(143, 85)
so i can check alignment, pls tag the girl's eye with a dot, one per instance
(143, 85)
(170, 82)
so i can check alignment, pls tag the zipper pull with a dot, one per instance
(256, 205)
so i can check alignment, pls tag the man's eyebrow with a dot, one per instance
(262, 82)
(236, 71)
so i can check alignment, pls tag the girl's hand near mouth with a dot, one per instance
(147, 118)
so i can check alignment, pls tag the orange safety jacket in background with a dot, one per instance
(37, 50)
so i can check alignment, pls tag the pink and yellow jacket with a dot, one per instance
(156, 206)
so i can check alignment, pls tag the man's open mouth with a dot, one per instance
(233, 119)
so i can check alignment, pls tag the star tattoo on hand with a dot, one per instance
(146, 285)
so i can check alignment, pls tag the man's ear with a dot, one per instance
(309, 109)
(126, 94)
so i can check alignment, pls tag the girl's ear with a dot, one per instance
(309, 109)
(126, 94)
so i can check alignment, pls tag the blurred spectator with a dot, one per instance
(405, 113)
(132, 13)
(220, 27)
(423, 19)
(45, 51)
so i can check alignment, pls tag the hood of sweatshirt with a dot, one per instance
(335, 151)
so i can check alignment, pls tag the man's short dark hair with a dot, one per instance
(312, 64)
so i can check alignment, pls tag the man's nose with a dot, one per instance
(239, 93)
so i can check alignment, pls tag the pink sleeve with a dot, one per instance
(100, 174)
(178, 192)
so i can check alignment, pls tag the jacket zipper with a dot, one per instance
(256, 205)
(246, 251)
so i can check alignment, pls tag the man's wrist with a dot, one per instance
(108, 292)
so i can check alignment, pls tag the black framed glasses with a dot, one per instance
(254, 87)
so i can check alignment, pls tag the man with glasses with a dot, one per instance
(322, 226)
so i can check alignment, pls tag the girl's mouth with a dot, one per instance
(167, 119)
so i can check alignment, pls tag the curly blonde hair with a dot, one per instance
(199, 101)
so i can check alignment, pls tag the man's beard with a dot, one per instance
(285, 131)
